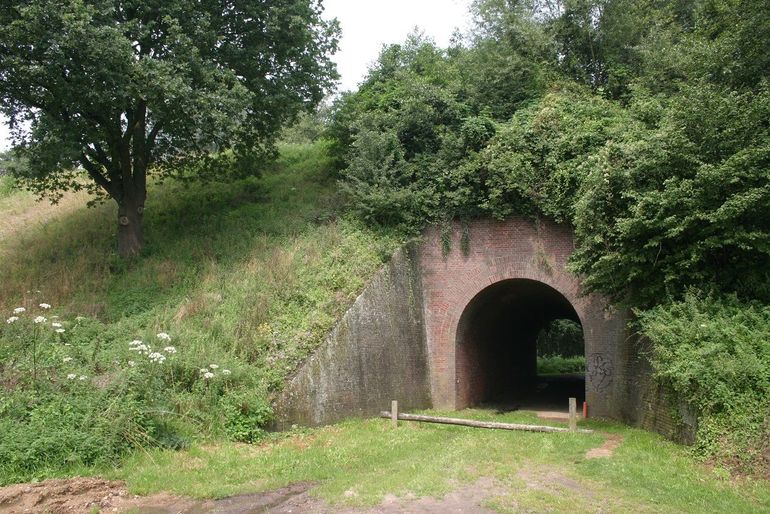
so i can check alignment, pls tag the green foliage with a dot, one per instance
(308, 128)
(713, 353)
(246, 416)
(681, 203)
(539, 160)
(7, 186)
(80, 395)
(45, 433)
(404, 134)
(560, 365)
(562, 337)
(665, 189)
(510, 58)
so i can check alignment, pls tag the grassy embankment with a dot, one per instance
(248, 276)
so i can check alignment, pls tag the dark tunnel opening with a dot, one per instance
(497, 348)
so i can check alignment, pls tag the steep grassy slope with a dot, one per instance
(248, 276)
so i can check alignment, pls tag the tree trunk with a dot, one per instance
(130, 236)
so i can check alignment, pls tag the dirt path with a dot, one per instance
(77, 495)
(607, 449)
(88, 495)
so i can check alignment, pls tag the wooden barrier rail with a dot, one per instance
(477, 424)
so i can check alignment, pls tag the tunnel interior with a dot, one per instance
(497, 338)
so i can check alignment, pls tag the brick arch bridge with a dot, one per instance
(520, 254)
(423, 332)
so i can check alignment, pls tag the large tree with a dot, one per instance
(118, 88)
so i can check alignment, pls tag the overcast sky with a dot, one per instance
(369, 24)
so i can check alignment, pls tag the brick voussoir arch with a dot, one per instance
(514, 249)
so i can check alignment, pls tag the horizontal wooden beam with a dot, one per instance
(480, 424)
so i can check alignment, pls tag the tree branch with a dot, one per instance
(95, 173)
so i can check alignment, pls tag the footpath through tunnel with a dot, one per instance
(498, 338)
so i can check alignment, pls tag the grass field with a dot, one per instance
(357, 463)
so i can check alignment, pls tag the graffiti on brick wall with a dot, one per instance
(599, 372)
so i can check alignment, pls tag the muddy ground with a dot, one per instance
(87, 495)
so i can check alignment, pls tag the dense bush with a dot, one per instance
(562, 337)
(47, 432)
(559, 365)
(651, 140)
(681, 201)
(83, 396)
(713, 353)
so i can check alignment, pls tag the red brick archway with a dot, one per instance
(496, 350)
(500, 252)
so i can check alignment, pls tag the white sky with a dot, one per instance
(367, 25)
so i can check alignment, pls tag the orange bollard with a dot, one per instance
(585, 410)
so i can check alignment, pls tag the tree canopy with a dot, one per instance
(123, 88)
(642, 124)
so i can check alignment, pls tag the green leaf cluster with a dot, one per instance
(663, 174)
(713, 353)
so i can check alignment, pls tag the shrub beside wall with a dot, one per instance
(714, 354)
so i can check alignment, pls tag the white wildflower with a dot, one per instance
(226, 372)
(142, 348)
(59, 330)
(208, 375)
(72, 376)
(67, 359)
(45, 306)
(79, 318)
(203, 370)
(169, 349)
(12, 319)
(164, 336)
(213, 366)
(131, 364)
(56, 325)
(157, 357)
(82, 377)
(134, 342)
(40, 319)
(19, 310)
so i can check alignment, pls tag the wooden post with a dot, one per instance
(394, 413)
(572, 414)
